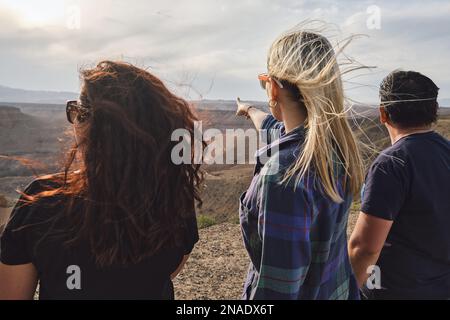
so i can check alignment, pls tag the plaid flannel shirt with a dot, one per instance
(295, 237)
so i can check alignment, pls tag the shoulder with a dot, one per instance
(396, 156)
(277, 165)
(29, 209)
(285, 157)
(274, 182)
(40, 185)
(416, 143)
(44, 183)
(270, 123)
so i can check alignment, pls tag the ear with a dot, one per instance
(383, 115)
(274, 90)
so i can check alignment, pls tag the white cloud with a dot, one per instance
(201, 40)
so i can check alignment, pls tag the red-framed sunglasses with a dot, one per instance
(264, 78)
(75, 111)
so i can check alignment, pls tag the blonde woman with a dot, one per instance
(294, 219)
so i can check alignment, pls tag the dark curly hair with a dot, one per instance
(136, 201)
(409, 98)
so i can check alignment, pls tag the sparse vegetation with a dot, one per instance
(205, 221)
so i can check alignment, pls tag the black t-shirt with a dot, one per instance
(409, 183)
(72, 273)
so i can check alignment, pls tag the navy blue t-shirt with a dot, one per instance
(409, 184)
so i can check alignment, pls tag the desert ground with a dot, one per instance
(217, 266)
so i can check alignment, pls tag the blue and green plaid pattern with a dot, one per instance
(294, 234)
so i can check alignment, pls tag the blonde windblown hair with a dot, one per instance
(330, 151)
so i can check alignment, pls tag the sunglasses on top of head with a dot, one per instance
(76, 112)
(264, 78)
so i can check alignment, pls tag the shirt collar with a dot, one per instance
(285, 139)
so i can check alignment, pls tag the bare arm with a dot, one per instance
(180, 267)
(18, 282)
(366, 243)
(257, 116)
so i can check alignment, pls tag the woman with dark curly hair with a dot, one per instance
(119, 222)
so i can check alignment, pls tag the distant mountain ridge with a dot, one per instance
(15, 95)
(444, 102)
(8, 94)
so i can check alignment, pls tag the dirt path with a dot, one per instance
(217, 266)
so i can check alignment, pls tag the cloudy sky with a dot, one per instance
(213, 48)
